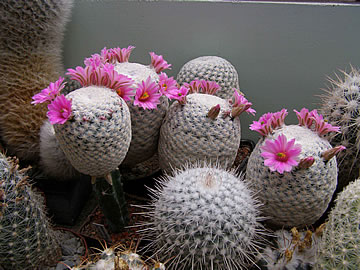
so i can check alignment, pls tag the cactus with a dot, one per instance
(201, 127)
(296, 173)
(204, 218)
(26, 238)
(340, 106)
(30, 58)
(340, 242)
(211, 68)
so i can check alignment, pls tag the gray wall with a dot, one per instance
(282, 52)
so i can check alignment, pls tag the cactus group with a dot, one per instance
(339, 247)
(30, 58)
(211, 68)
(26, 238)
(204, 218)
(201, 127)
(340, 106)
(293, 168)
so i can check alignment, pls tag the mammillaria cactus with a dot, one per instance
(211, 68)
(293, 168)
(339, 245)
(30, 58)
(204, 218)
(340, 106)
(153, 88)
(201, 127)
(26, 239)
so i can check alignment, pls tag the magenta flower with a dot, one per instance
(50, 92)
(94, 61)
(209, 87)
(263, 126)
(181, 95)
(194, 86)
(305, 117)
(168, 86)
(158, 62)
(59, 111)
(147, 94)
(241, 104)
(281, 155)
(121, 54)
(321, 126)
(80, 74)
(278, 118)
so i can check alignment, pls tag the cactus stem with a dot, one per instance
(306, 163)
(329, 154)
(214, 112)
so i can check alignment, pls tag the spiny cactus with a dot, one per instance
(201, 127)
(204, 218)
(30, 58)
(211, 68)
(339, 247)
(150, 101)
(26, 238)
(340, 106)
(292, 168)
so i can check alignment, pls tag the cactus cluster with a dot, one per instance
(340, 106)
(30, 58)
(211, 68)
(202, 127)
(204, 217)
(26, 238)
(339, 247)
(293, 168)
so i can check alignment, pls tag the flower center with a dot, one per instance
(281, 156)
(165, 86)
(144, 96)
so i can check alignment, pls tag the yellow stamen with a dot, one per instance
(144, 96)
(281, 156)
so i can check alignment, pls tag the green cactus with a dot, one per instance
(339, 247)
(211, 68)
(26, 238)
(340, 106)
(204, 217)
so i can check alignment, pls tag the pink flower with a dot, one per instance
(281, 155)
(59, 111)
(147, 94)
(241, 104)
(158, 62)
(194, 86)
(305, 117)
(107, 56)
(278, 118)
(181, 95)
(50, 92)
(321, 126)
(263, 126)
(168, 86)
(80, 74)
(209, 87)
(94, 61)
(122, 54)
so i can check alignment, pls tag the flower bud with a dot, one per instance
(329, 154)
(214, 112)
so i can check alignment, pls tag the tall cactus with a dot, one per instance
(26, 238)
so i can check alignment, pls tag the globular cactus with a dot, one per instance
(201, 127)
(293, 168)
(204, 218)
(148, 107)
(30, 58)
(26, 238)
(339, 247)
(211, 68)
(340, 106)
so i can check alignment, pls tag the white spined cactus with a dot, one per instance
(339, 247)
(293, 168)
(204, 217)
(341, 106)
(211, 68)
(202, 127)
